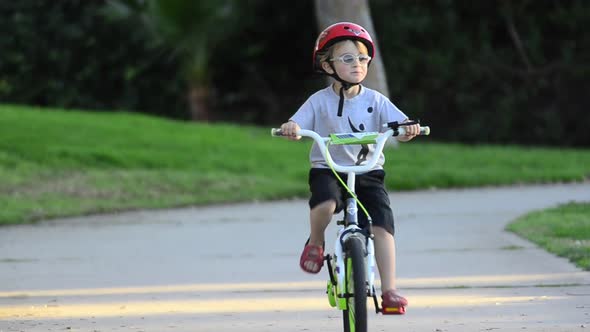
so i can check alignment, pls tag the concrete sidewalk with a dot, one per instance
(235, 268)
(455, 243)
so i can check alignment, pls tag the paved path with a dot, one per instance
(234, 268)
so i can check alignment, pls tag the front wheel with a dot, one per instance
(355, 314)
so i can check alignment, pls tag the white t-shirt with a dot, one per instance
(366, 112)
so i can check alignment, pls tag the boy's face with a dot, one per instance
(354, 72)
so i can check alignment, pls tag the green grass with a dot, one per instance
(62, 163)
(564, 231)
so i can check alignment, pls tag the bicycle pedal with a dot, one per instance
(393, 310)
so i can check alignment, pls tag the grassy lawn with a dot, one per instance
(564, 231)
(61, 163)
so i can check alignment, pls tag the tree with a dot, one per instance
(190, 30)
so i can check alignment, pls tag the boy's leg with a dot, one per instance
(393, 302)
(323, 203)
(320, 217)
(372, 193)
(385, 257)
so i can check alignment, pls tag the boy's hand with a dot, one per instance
(290, 129)
(411, 132)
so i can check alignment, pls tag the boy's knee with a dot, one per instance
(383, 230)
(327, 207)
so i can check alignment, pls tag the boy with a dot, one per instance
(344, 51)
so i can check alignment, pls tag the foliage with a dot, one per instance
(189, 29)
(68, 54)
(484, 71)
(58, 163)
(263, 73)
(491, 71)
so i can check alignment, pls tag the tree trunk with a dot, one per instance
(356, 11)
(198, 101)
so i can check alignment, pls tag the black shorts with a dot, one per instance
(369, 188)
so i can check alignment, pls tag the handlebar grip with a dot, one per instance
(424, 131)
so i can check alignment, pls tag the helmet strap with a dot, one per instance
(341, 101)
(345, 86)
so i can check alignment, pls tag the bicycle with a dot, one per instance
(351, 267)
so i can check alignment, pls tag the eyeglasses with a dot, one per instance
(349, 59)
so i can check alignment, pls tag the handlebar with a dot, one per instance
(355, 138)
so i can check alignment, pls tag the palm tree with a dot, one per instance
(189, 29)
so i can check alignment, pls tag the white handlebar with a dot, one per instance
(424, 131)
(321, 141)
(380, 140)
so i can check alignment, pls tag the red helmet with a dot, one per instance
(341, 31)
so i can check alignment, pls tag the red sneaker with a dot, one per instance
(312, 259)
(393, 303)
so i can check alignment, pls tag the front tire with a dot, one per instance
(355, 314)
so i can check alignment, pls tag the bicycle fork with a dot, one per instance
(337, 294)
